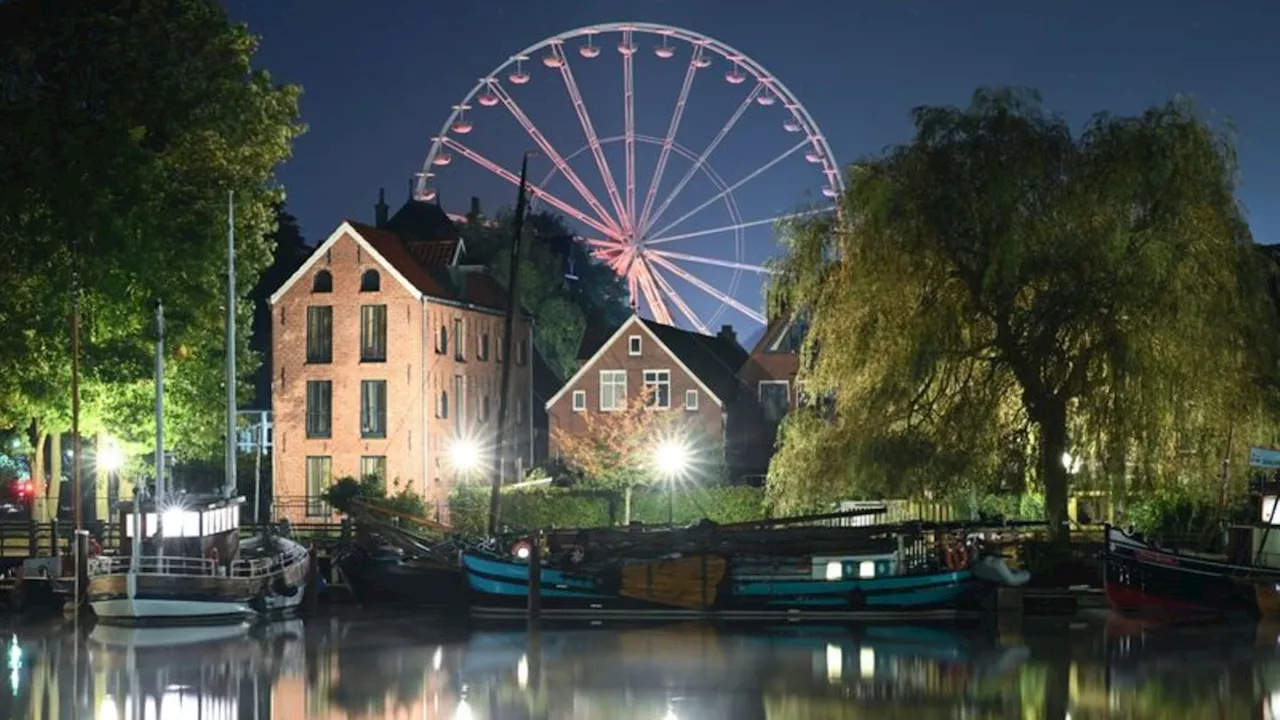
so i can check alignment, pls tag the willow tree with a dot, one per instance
(1001, 298)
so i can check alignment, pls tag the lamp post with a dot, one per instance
(671, 458)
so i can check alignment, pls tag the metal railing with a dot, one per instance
(245, 568)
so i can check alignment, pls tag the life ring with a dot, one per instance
(957, 558)
(522, 550)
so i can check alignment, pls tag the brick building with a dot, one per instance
(769, 376)
(387, 357)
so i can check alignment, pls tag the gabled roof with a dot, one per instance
(353, 230)
(712, 361)
(435, 253)
(418, 220)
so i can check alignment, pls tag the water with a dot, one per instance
(359, 665)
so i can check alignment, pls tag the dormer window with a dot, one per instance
(322, 282)
(370, 281)
(633, 346)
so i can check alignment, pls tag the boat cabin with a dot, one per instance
(183, 526)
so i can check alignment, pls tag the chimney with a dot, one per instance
(473, 215)
(380, 210)
(726, 332)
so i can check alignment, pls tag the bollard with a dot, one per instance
(535, 576)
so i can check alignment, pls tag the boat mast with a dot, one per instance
(76, 493)
(507, 327)
(229, 485)
(160, 489)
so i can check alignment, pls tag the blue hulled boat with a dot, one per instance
(864, 572)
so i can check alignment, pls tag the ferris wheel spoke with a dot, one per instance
(678, 301)
(537, 191)
(702, 285)
(629, 124)
(554, 156)
(755, 173)
(669, 141)
(708, 261)
(731, 228)
(657, 305)
(593, 140)
(693, 170)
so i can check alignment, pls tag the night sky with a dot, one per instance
(379, 79)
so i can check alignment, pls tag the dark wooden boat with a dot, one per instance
(390, 565)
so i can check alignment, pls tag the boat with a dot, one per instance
(182, 558)
(380, 573)
(754, 572)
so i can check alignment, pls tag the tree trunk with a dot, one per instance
(54, 489)
(100, 479)
(38, 473)
(626, 506)
(1051, 417)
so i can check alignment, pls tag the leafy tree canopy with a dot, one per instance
(123, 128)
(562, 307)
(1010, 300)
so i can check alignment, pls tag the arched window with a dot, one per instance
(442, 344)
(370, 281)
(443, 410)
(322, 282)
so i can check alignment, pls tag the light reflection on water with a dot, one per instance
(363, 666)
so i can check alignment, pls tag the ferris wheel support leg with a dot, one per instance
(672, 129)
(510, 177)
(554, 156)
(715, 142)
(697, 282)
(593, 140)
(651, 295)
(751, 176)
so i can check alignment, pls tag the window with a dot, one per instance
(519, 411)
(657, 389)
(319, 478)
(775, 399)
(690, 399)
(790, 340)
(522, 352)
(373, 466)
(320, 334)
(633, 346)
(319, 408)
(482, 349)
(442, 342)
(373, 408)
(322, 282)
(460, 401)
(373, 333)
(613, 389)
(579, 400)
(442, 406)
(370, 281)
(484, 409)
(459, 341)
(498, 347)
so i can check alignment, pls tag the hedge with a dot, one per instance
(564, 508)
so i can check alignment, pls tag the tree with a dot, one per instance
(124, 127)
(1010, 300)
(563, 307)
(290, 250)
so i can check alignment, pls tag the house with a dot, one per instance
(387, 361)
(682, 371)
(769, 375)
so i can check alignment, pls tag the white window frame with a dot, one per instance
(579, 400)
(635, 345)
(613, 375)
(691, 395)
(644, 377)
(760, 393)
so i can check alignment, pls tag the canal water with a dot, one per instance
(362, 665)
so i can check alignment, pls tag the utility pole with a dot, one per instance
(499, 444)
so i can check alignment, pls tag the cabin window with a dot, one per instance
(775, 399)
(373, 408)
(691, 400)
(319, 478)
(320, 334)
(322, 282)
(633, 346)
(579, 400)
(657, 389)
(373, 333)
(613, 390)
(373, 468)
(319, 408)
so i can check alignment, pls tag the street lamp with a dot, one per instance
(110, 460)
(464, 455)
(671, 458)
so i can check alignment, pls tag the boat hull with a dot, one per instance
(382, 581)
(501, 587)
(1141, 579)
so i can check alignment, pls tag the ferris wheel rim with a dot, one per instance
(672, 32)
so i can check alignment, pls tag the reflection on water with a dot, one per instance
(362, 666)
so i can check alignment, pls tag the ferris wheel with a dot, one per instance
(670, 230)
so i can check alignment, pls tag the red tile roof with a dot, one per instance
(425, 265)
(433, 253)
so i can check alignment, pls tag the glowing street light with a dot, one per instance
(671, 458)
(111, 458)
(465, 455)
